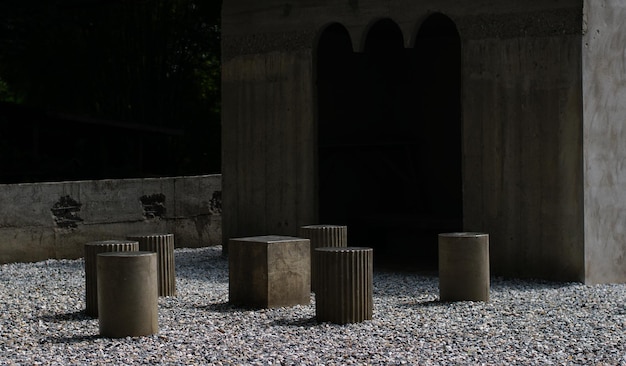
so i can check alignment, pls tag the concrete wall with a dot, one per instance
(604, 92)
(523, 148)
(54, 220)
(268, 144)
(522, 122)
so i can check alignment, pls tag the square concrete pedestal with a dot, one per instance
(269, 271)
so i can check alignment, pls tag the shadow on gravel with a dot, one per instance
(222, 307)
(65, 317)
(69, 340)
(302, 323)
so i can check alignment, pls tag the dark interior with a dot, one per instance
(389, 130)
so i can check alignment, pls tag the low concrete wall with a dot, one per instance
(54, 220)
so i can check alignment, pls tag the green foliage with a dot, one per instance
(6, 94)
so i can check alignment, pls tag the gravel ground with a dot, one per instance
(525, 323)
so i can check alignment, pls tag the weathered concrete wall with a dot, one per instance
(268, 144)
(253, 27)
(522, 118)
(54, 220)
(604, 92)
(523, 151)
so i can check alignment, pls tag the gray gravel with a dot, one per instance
(525, 323)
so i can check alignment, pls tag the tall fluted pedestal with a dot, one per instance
(163, 246)
(344, 293)
(92, 249)
(322, 236)
(128, 294)
(464, 267)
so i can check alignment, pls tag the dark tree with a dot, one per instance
(150, 65)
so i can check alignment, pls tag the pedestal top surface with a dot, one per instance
(463, 235)
(127, 254)
(320, 226)
(268, 239)
(148, 235)
(343, 249)
(111, 242)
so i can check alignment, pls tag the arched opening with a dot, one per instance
(437, 51)
(436, 68)
(337, 107)
(389, 154)
(335, 79)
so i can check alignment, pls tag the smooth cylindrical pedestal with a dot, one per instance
(322, 236)
(92, 249)
(344, 293)
(128, 294)
(464, 267)
(163, 246)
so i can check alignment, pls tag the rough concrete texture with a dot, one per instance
(269, 271)
(604, 131)
(268, 146)
(522, 115)
(54, 220)
(523, 153)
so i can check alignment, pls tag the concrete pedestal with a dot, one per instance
(344, 293)
(163, 246)
(127, 294)
(464, 267)
(92, 249)
(322, 236)
(269, 271)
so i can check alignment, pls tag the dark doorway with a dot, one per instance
(389, 129)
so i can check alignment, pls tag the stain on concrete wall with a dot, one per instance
(215, 204)
(66, 212)
(153, 206)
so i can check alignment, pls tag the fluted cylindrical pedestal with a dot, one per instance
(344, 292)
(128, 294)
(92, 249)
(322, 236)
(464, 267)
(163, 246)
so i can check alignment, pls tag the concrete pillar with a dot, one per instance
(344, 293)
(92, 249)
(322, 236)
(128, 294)
(163, 246)
(464, 267)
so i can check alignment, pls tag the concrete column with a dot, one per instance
(163, 246)
(344, 293)
(322, 236)
(92, 249)
(464, 267)
(128, 294)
